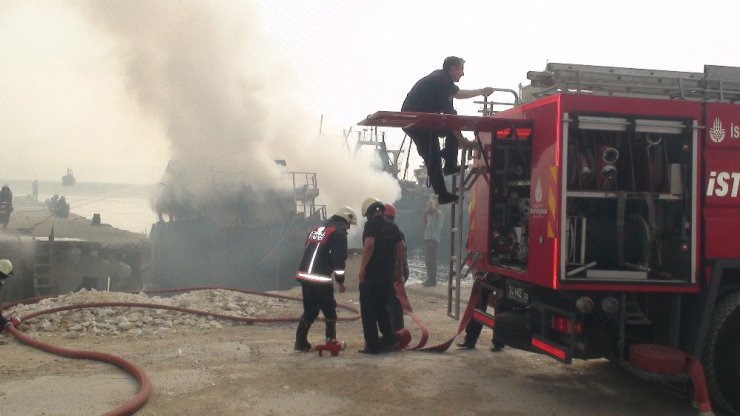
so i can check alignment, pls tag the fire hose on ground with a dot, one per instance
(142, 395)
(691, 365)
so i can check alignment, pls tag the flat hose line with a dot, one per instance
(467, 316)
(142, 395)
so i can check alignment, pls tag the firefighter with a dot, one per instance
(434, 94)
(322, 263)
(394, 305)
(6, 271)
(382, 261)
(473, 329)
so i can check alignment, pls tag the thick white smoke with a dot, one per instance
(228, 103)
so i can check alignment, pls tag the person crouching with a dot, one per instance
(323, 262)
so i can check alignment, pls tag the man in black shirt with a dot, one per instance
(434, 94)
(382, 261)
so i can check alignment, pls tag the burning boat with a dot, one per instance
(237, 236)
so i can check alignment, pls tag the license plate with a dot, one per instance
(518, 292)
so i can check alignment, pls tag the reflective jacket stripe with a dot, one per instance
(315, 278)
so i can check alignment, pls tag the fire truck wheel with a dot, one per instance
(722, 354)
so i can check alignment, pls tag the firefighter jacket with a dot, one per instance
(326, 253)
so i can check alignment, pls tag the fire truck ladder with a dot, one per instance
(44, 279)
(459, 255)
(717, 83)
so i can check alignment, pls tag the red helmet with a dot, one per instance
(390, 211)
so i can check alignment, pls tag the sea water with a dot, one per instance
(123, 206)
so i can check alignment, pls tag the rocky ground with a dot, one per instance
(204, 366)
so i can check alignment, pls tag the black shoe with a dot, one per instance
(446, 198)
(368, 351)
(497, 347)
(299, 346)
(452, 169)
(393, 347)
(429, 283)
(466, 346)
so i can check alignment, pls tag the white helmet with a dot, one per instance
(6, 267)
(348, 214)
(368, 203)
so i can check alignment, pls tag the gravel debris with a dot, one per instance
(147, 322)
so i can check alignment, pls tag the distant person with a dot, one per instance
(394, 305)
(474, 328)
(323, 262)
(433, 220)
(383, 251)
(6, 204)
(35, 190)
(61, 209)
(6, 271)
(434, 94)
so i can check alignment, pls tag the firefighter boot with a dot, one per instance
(301, 336)
(331, 330)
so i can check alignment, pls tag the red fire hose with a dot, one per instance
(142, 395)
(467, 315)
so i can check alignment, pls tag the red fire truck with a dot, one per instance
(604, 212)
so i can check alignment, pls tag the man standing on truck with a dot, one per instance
(323, 261)
(434, 94)
(383, 251)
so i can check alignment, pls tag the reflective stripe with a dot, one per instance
(313, 257)
(310, 277)
(339, 272)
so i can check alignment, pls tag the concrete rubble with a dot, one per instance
(146, 322)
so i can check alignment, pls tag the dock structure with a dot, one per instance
(53, 255)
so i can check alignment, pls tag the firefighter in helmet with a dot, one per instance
(383, 251)
(322, 263)
(6, 271)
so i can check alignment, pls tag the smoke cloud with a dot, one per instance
(229, 105)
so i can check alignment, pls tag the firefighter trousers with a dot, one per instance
(374, 295)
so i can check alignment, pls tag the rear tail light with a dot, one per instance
(564, 325)
(520, 133)
(523, 133)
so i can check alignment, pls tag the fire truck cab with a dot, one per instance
(605, 215)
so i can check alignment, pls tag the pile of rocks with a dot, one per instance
(140, 322)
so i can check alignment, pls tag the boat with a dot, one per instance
(415, 193)
(242, 238)
(69, 178)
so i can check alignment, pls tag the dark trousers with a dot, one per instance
(430, 258)
(472, 331)
(395, 309)
(318, 297)
(427, 144)
(373, 308)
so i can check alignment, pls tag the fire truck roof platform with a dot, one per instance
(442, 122)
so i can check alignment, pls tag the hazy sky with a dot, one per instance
(114, 89)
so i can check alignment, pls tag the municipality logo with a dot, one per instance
(538, 191)
(717, 133)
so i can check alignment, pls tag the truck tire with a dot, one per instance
(722, 354)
